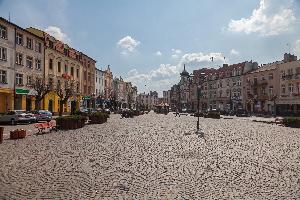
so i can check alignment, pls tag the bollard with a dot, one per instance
(1, 134)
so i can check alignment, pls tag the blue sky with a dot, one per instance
(148, 41)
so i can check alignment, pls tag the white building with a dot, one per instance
(99, 83)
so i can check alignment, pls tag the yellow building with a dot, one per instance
(61, 62)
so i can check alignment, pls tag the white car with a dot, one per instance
(17, 116)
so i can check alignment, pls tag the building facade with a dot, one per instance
(88, 80)
(62, 63)
(21, 61)
(108, 84)
(99, 87)
(147, 101)
(261, 87)
(288, 100)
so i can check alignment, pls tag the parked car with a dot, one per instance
(42, 115)
(17, 116)
(107, 110)
(241, 113)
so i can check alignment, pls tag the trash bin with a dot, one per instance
(1, 134)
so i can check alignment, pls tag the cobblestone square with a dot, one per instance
(155, 157)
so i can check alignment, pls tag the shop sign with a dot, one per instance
(86, 98)
(22, 91)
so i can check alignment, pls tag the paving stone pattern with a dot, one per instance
(154, 157)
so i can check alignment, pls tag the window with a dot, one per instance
(51, 44)
(282, 74)
(51, 82)
(270, 76)
(263, 90)
(255, 80)
(85, 76)
(3, 32)
(72, 71)
(298, 88)
(66, 68)
(3, 53)
(38, 64)
(66, 52)
(262, 77)
(96, 79)
(77, 88)
(19, 58)
(291, 88)
(50, 64)
(290, 71)
(29, 80)
(298, 70)
(29, 43)
(3, 76)
(38, 47)
(29, 61)
(59, 66)
(19, 79)
(239, 82)
(77, 73)
(283, 89)
(270, 90)
(19, 39)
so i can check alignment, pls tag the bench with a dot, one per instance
(47, 125)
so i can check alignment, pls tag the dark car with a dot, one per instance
(241, 113)
(42, 115)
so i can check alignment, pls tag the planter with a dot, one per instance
(71, 122)
(13, 135)
(98, 118)
(21, 134)
(1, 134)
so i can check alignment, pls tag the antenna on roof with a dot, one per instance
(9, 16)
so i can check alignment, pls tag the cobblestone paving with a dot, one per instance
(152, 157)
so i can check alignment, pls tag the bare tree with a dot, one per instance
(65, 92)
(42, 88)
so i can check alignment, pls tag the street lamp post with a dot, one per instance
(199, 131)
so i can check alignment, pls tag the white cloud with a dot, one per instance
(200, 59)
(297, 47)
(165, 75)
(128, 45)
(58, 34)
(234, 52)
(158, 53)
(271, 18)
(158, 79)
(176, 53)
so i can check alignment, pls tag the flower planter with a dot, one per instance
(21, 134)
(1, 134)
(71, 122)
(17, 134)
